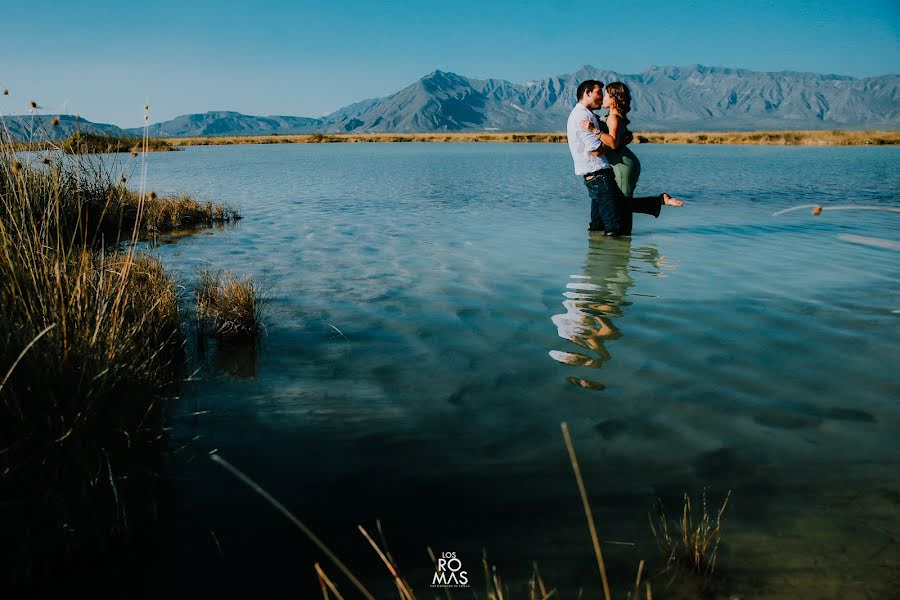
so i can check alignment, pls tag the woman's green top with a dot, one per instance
(626, 166)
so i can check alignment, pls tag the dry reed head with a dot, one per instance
(54, 121)
(32, 104)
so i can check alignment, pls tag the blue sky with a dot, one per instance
(105, 59)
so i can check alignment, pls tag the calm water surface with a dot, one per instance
(434, 313)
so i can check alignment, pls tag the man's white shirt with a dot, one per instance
(582, 143)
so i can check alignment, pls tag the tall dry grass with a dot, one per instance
(90, 347)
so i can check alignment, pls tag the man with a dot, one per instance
(610, 210)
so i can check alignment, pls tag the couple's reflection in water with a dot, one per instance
(596, 299)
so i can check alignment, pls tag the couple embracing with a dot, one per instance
(610, 170)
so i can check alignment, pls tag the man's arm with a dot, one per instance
(603, 134)
(592, 143)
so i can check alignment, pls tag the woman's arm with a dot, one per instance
(612, 138)
(609, 138)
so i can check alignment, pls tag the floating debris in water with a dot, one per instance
(850, 207)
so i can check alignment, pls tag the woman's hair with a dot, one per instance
(621, 95)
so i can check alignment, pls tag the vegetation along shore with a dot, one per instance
(89, 143)
(91, 349)
(771, 138)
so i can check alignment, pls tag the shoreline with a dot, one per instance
(759, 138)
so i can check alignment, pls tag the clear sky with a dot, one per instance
(105, 59)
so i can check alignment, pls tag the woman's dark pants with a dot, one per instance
(611, 211)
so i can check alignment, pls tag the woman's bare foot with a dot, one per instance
(670, 201)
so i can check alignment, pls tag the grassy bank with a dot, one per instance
(776, 138)
(88, 143)
(90, 349)
(84, 143)
(336, 138)
(91, 203)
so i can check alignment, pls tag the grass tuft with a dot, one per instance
(227, 307)
(692, 541)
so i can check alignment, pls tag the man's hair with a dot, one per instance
(587, 85)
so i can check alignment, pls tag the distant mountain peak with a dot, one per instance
(443, 76)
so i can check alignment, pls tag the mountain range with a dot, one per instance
(693, 98)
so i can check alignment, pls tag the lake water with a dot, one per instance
(435, 311)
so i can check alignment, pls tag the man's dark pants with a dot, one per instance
(611, 211)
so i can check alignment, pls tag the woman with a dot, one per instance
(626, 166)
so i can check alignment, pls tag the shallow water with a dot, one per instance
(435, 311)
